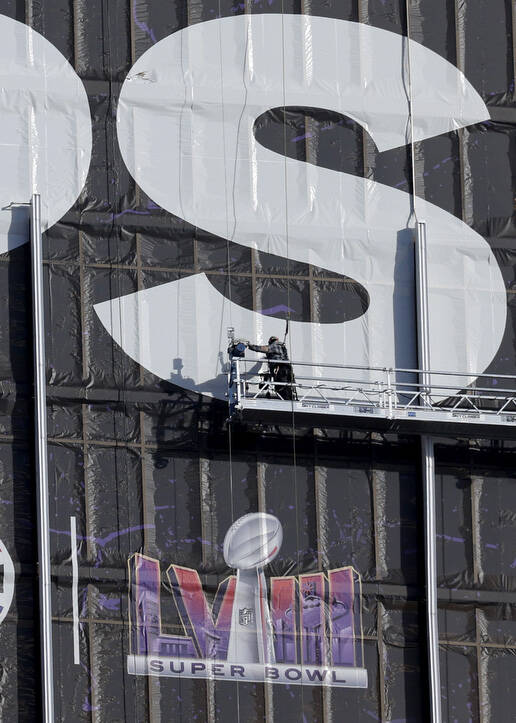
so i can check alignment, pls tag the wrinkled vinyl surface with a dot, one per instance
(249, 162)
(45, 138)
(186, 122)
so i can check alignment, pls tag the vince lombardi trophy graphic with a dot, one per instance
(251, 543)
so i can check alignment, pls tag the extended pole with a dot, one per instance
(423, 324)
(428, 471)
(40, 403)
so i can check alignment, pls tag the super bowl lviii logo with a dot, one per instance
(306, 632)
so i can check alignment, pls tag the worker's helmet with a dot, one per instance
(273, 338)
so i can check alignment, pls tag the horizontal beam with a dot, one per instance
(117, 578)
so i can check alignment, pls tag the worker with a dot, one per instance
(281, 374)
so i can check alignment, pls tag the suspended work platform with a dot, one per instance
(333, 395)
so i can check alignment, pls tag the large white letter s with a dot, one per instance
(185, 123)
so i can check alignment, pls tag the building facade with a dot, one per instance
(229, 164)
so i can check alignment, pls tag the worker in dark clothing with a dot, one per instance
(276, 351)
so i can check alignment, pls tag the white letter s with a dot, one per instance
(185, 125)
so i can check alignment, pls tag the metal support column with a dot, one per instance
(423, 328)
(40, 404)
(428, 471)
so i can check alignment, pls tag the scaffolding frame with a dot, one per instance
(377, 392)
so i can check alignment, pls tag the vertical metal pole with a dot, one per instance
(428, 471)
(423, 333)
(427, 452)
(389, 392)
(40, 402)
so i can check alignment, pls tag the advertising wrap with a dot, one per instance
(232, 194)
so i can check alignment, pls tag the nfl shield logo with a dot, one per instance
(309, 589)
(246, 616)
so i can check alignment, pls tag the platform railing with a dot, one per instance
(389, 390)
